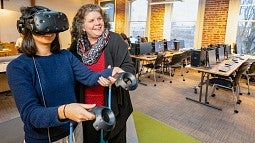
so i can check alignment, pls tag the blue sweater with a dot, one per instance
(57, 73)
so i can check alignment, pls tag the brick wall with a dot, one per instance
(120, 16)
(157, 21)
(215, 21)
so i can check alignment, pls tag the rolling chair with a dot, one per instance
(231, 83)
(250, 73)
(187, 58)
(176, 62)
(157, 64)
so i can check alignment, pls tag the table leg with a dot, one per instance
(137, 67)
(206, 88)
(206, 94)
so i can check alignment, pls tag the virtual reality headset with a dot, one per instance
(43, 22)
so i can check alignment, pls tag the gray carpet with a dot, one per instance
(167, 103)
(12, 131)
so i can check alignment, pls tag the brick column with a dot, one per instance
(157, 21)
(215, 21)
(120, 16)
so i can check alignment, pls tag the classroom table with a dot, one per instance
(149, 58)
(216, 70)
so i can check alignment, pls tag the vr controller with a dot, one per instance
(43, 22)
(126, 80)
(105, 118)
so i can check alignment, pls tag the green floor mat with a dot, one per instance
(150, 130)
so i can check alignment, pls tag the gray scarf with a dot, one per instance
(90, 54)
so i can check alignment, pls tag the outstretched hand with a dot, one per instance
(116, 70)
(111, 79)
(77, 112)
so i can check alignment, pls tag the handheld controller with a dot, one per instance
(105, 118)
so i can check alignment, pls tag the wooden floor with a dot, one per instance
(167, 103)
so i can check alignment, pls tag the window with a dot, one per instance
(138, 14)
(108, 7)
(184, 21)
(246, 28)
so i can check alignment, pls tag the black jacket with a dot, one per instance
(116, 55)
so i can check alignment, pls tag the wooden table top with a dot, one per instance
(153, 57)
(215, 69)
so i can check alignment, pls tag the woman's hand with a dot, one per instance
(116, 70)
(76, 111)
(104, 81)
(110, 80)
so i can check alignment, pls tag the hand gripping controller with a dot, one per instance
(126, 80)
(105, 118)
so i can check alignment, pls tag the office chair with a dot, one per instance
(157, 64)
(176, 62)
(187, 58)
(231, 83)
(234, 48)
(250, 73)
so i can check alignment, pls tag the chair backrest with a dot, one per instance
(159, 60)
(188, 53)
(240, 71)
(251, 68)
(177, 58)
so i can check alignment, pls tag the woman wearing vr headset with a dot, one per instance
(97, 47)
(42, 79)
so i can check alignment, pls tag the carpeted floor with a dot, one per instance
(150, 130)
(167, 103)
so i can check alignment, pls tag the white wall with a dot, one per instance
(167, 21)
(8, 18)
(8, 31)
(69, 7)
(199, 25)
(231, 29)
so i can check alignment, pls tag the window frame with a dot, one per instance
(130, 21)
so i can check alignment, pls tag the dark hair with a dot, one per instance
(144, 39)
(28, 46)
(124, 36)
(78, 20)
